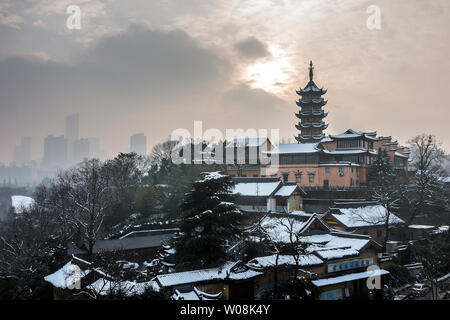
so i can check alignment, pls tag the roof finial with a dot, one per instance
(311, 71)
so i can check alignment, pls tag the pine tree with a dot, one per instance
(209, 222)
(381, 172)
(385, 188)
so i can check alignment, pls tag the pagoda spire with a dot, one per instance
(311, 114)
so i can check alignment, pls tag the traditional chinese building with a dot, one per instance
(311, 114)
(267, 195)
(320, 161)
(336, 161)
(367, 220)
(336, 264)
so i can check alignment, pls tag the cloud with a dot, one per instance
(138, 62)
(251, 48)
(10, 20)
(242, 96)
(131, 77)
(245, 107)
(139, 70)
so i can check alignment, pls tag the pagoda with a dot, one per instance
(311, 115)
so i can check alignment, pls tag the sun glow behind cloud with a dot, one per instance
(269, 74)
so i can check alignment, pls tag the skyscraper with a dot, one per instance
(55, 152)
(94, 147)
(138, 143)
(72, 133)
(81, 150)
(22, 151)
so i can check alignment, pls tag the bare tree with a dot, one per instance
(389, 199)
(386, 188)
(282, 236)
(90, 197)
(25, 251)
(296, 247)
(427, 161)
(164, 150)
(54, 200)
(273, 243)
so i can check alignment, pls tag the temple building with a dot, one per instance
(311, 114)
(316, 160)
(336, 161)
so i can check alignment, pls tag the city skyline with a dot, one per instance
(70, 148)
(237, 66)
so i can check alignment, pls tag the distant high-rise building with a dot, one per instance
(22, 151)
(81, 150)
(72, 133)
(138, 143)
(55, 152)
(94, 149)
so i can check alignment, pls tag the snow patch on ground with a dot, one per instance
(21, 203)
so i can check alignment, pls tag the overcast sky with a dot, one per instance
(154, 66)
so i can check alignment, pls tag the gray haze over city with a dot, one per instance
(149, 67)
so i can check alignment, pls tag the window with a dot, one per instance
(341, 171)
(311, 177)
(298, 159)
(327, 170)
(285, 177)
(298, 176)
(348, 143)
(352, 182)
(255, 176)
(325, 183)
(379, 233)
(353, 158)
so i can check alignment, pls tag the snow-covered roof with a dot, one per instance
(398, 154)
(311, 86)
(336, 253)
(67, 276)
(195, 276)
(286, 191)
(349, 277)
(420, 226)
(350, 133)
(279, 228)
(21, 203)
(337, 152)
(340, 164)
(444, 277)
(284, 260)
(195, 294)
(303, 213)
(247, 142)
(364, 216)
(291, 148)
(132, 242)
(262, 189)
(327, 139)
(335, 240)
